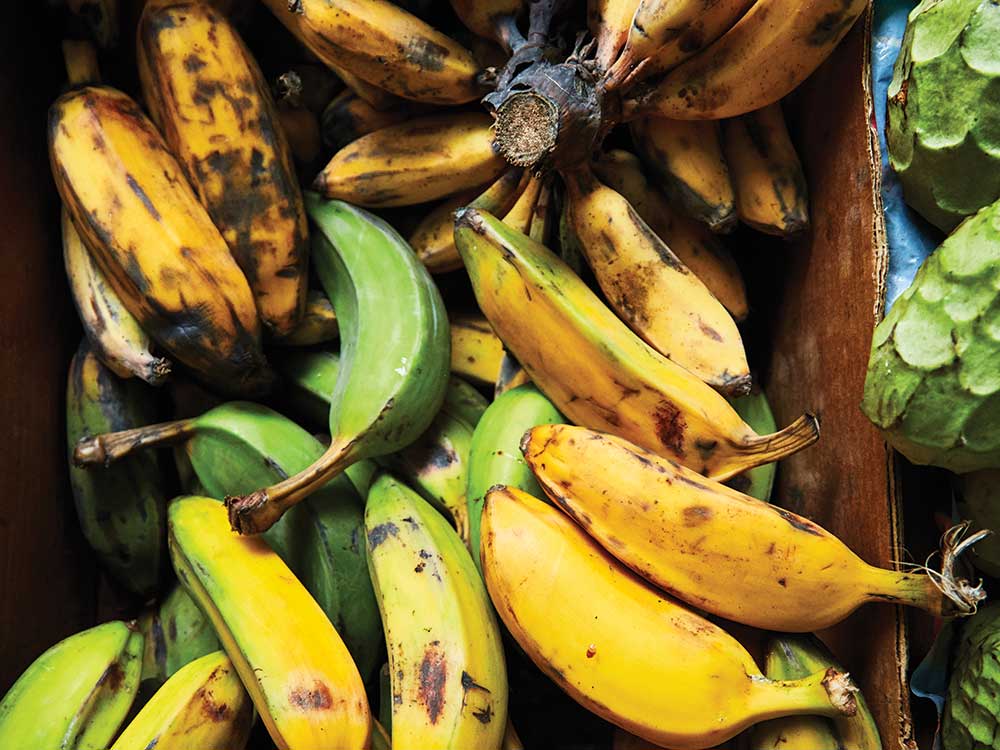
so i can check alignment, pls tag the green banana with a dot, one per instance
(495, 456)
(395, 353)
(462, 400)
(755, 410)
(187, 633)
(122, 511)
(76, 695)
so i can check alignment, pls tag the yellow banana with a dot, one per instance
(291, 660)
(595, 370)
(621, 648)
(348, 117)
(476, 352)
(652, 290)
(201, 707)
(544, 218)
(492, 19)
(686, 158)
(771, 193)
(609, 21)
(718, 549)
(413, 162)
(520, 215)
(317, 325)
(153, 240)
(191, 64)
(383, 45)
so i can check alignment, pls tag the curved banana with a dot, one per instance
(419, 160)
(101, 16)
(651, 290)
(609, 21)
(621, 648)
(771, 192)
(202, 706)
(446, 664)
(131, 203)
(76, 695)
(318, 324)
(187, 633)
(768, 567)
(492, 19)
(601, 374)
(291, 660)
(755, 410)
(476, 352)
(191, 62)
(384, 45)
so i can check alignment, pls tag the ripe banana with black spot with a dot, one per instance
(318, 324)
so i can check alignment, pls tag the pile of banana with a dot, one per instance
(527, 434)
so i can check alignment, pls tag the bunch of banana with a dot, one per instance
(318, 324)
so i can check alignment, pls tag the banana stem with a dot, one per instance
(765, 449)
(826, 693)
(105, 449)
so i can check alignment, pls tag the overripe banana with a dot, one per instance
(716, 548)
(652, 290)
(101, 16)
(192, 63)
(492, 19)
(476, 352)
(621, 648)
(419, 160)
(600, 374)
(755, 410)
(348, 117)
(771, 193)
(318, 324)
(609, 21)
(156, 244)
(187, 633)
(289, 657)
(394, 353)
(449, 680)
(76, 695)
(202, 706)
(301, 130)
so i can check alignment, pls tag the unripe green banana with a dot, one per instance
(76, 695)
(187, 633)
(756, 412)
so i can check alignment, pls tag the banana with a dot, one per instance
(376, 97)
(495, 457)
(698, 248)
(187, 633)
(348, 117)
(609, 21)
(465, 402)
(570, 249)
(80, 59)
(419, 160)
(492, 19)
(769, 568)
(76, 695)
(384, 45)
(511, 740)
(476, 352)
(102, 18)
(446, 664)
(621, 648)
(309, 378)
(511, 376)
(394, 353)
(813, 732)
(156, 244)
(154, 671)
(626, 741)
(202, 706)
(754, 409)
(520, 215)
(771, 192)
(544, 217)
(600, 374)
(289, 657)
(651, 290)
(318, 324)
(687, 160)
(122, 511)
(775, 46)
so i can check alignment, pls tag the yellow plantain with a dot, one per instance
(476, 352)
(153, 240)
(213, 106)
(348, 117)
(652, 290)
(771, 193)
(492, 19)
(609, 21)
(317, 325)
(621, 648)
(413, 162)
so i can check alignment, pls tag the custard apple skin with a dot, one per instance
(933, 381)
(972, 710)
(943, 124)
(979, 501)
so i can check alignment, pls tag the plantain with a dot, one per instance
(492, 19)
(191, 62)
(612, 642)
(419, 160)
(301, 130)
(186, 633)
(814, 732)
(600, 374)
(652, 290)
(318, 324)
(348, 117)
(449, 681)
(770, 568)
(156, 245)
(609, 21)
(755, 410)
(153, 672)
(476, 352)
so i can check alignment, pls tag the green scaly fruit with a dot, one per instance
(122, 511)
(979, 501)
(394, 358)
(756, 412)
(76, 695)
(933, 383)
(187, 633)
(943, 122)
(971, 709)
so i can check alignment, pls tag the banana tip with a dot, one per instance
(468, 216)
(89, 451)
(841, 690)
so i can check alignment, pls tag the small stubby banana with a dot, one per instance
(348, 117)
(602, 375)
(290, 658)
(384, 45)
(687, 160)
(205, 92)
(394, 354)
(755, 410)
(187, 633)
(775, 46)
(318, 324)
(76, 695)
(102, 18)
(202, 706)
(476, 352)
(156, 244)
(495, 456)
(609, 21)
(771, 192)
(652, 290)
(623, 649)
(768, 567)
(420, 160)
(446, 664)
(492, 19)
